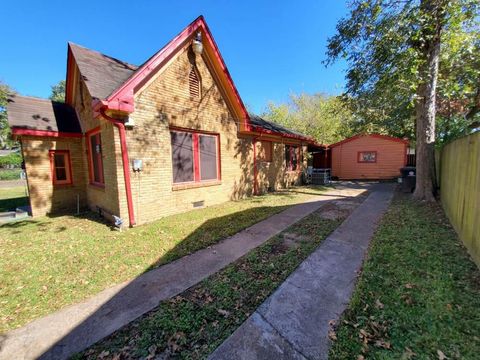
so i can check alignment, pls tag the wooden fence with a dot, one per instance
(460, 189)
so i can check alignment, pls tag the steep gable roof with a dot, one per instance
(34, 114)
(102, 73)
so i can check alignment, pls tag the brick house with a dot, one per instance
(143, 142)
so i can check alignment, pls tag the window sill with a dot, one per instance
(97, 186)
(61, 186)
(177, 187)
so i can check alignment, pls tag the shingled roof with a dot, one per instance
(31, 113)
(102, 73)
(257, 121)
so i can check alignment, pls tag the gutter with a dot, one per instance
(126, 170)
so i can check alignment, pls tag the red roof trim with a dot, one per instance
(122, 98)
(385, 137)
(44, 133)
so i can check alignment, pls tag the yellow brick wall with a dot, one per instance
(107, 197)
(274, 175)
(45, 197)
(163, 102)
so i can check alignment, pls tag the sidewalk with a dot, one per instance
(293, 323)
(72, 329)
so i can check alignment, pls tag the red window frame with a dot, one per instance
(360, 157)
(97, 133)
(68, 167)
(289, 166)
(196, 155)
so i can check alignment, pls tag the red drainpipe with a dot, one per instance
(126, 170)
(255, 185)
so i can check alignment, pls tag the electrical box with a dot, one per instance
(137, 165)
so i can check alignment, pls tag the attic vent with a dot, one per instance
(194, 83)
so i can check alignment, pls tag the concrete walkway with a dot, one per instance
(74, 328)
(293, 323)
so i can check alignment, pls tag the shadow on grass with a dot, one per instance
(166, 277)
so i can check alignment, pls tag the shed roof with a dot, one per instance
(358, 136)
(31, 113)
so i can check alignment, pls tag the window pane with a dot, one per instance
(287, 156)
(96, 149)
(294, 154)
(208, 157)
(182, 156)
(59, 160)
(368, 156)
(61, 174)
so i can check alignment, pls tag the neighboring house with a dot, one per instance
(370, 156)
(142, 142)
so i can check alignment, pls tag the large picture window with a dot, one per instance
(195, 157)
(292, 157)
(61, 167)
(96, 158)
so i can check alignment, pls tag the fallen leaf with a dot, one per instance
(407, 354)
(383, 344)
(223, 312)
(409, 286)
(441, 355)
(378, 304)
(331, 335)
(360, 357)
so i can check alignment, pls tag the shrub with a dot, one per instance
(10, 174)
(11, 160)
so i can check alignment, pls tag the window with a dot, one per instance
(292, 157)
(194, 157)
(265, 151)
(367, 157)
(96, 158)
(194, 83)
(61, 167)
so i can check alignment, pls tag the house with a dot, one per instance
(143, 142)
(369, 156)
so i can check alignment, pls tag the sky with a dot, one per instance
(271, 48)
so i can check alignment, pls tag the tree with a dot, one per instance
(393, 50)
(320, 116)
(58, 92)
(5, 134)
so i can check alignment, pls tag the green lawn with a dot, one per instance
(419, 294)
(11, 198)
(193, 324)
(51, 262)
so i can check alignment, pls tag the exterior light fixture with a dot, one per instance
(197, 45)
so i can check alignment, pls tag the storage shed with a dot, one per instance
(368, 156)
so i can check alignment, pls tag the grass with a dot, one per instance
(418, 295)
(10, 174)
(11, 198)
(51, 262)
(193, 324)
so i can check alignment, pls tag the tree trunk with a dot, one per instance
(425, 106)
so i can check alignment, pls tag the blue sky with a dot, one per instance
(272, 48)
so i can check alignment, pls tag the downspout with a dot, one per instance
(126, 170)
(255, 171)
